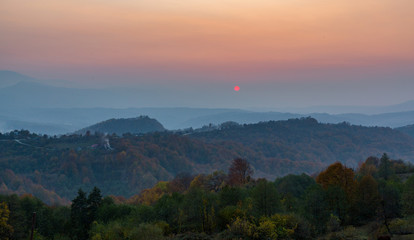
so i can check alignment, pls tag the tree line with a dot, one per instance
(372, 201)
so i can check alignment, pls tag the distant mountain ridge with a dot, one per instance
(40, 106)
(142, 124)
(53, 121)
(370, 110)
(8, 78)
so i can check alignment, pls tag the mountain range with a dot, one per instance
(53, 107)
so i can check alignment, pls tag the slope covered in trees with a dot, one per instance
(286, 145)
(54, 168)
(371, 202)
(409, 130)
(142, 124)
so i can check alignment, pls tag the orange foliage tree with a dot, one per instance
(338, 175)
(240, 172)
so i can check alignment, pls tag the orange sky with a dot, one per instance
(201, 35)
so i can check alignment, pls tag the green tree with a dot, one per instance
(367, 198)
(385, 169)
(265, 198)
(315, 208)
(199, 210)
(120, 230)
(390, 205)
(292, 188)
(390, 192)
(408, 197)
(230, 196)
(337, 201)
(146, 231)
(60, 221)
(94, 202)
(79, 216)
(30, 204)
(168, 209)
(84, 211)
(294, 185)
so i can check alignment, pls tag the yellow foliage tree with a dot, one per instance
(150, 196)
(6, 230)
(367, 169)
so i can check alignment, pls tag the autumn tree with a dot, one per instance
(338, 175)
(373, 161)
(240, 172)
(6, 230)
(211, 183)
(150, 196)
(180, 183)
(369, 167)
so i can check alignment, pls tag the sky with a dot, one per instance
(282, 53)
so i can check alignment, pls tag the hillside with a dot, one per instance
(54, 168)
(392, 119)
(142, 124)
(308, 142)
(409, 130)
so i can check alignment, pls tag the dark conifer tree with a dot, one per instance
(79, 216)
(94, 202)
(385, 170)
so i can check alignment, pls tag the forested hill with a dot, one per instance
(409, 130)
(142, 124)
(55, 168)
(309, 141)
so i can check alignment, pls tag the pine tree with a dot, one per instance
(385, 170)
(79, 216)
(94, 202)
